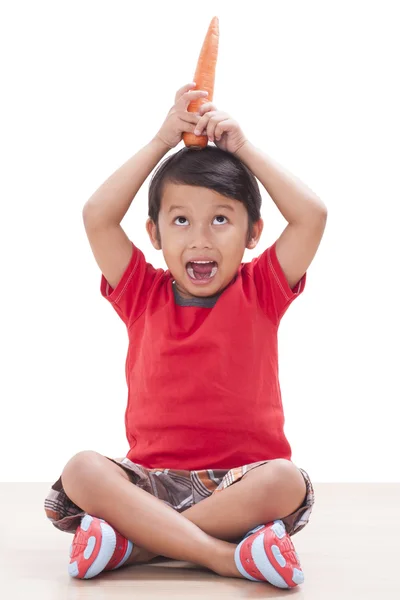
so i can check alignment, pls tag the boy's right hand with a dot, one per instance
(179, 119)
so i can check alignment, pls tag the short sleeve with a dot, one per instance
(129, 298)
(273, 290)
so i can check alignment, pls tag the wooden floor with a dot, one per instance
(349, 550)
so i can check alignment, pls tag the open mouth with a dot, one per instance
(201, 271)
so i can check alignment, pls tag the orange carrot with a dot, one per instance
(204, 78)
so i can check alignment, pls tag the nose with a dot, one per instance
(201, 237)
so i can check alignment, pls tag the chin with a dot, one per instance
(197, 291)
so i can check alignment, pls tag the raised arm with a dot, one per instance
(105, 209)
(305, 212)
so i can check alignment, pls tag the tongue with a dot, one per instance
(202, 269)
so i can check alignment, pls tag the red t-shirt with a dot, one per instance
(202, 374)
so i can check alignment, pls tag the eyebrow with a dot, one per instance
(174, 206)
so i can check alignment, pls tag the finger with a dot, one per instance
(219, 130)
(214, 122)
(223, 126)
(210, 120)
(190, 96)
(203, 121)
(206, 107)
(183, 89)
(188, 127)
(189, 117)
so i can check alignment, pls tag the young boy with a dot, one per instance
(213, 481)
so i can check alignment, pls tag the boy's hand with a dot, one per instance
(179, 119)
(221, 129)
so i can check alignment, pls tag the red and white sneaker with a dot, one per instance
(267, 554)
(97, 547)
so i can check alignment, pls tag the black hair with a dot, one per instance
(208, 167)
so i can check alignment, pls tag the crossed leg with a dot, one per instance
(204, 533)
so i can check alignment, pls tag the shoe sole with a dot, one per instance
(266, 554)
(107, 542)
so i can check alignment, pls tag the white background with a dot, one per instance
(85, 86)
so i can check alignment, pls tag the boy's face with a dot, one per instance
(201, 228)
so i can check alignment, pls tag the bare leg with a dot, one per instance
(97, 485)
(268, 492)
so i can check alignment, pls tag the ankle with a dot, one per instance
(139, 556)
(223, 562)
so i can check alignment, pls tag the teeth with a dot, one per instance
(202, 262)
(192, 275)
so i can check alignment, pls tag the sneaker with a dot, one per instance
(97, 547)
(267, 554)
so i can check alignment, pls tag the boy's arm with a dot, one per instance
(105, 209)
(305, 212)
(110, 203)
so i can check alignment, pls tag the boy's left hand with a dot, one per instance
(220, 128)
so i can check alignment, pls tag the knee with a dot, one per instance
(284, 467)
(285, 470)
(287, 482)
(82, 467)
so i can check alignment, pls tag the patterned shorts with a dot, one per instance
(179, 489)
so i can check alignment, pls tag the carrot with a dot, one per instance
(204, 78)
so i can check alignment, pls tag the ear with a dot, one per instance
(152, 231)
(257, 231)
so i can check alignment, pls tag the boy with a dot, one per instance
(204, 406)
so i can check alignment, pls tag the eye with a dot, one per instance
(179, 218)
(217, 217)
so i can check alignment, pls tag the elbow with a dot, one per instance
(321, 211)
